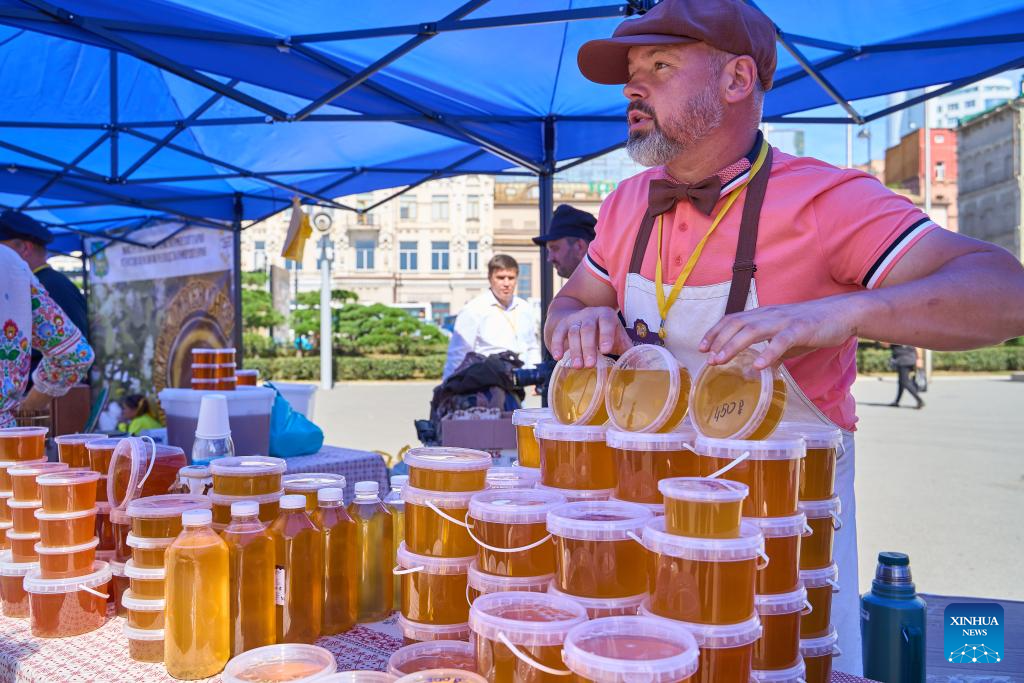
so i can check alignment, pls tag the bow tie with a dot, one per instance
(663, 195)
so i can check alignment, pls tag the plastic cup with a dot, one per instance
(510, 530)
(447, 469)
(820, 585)
(823, 519)
(439, 654)
(23, 443)
(818, 654)
(62, 607)
(71, 448)
(524, 420)
(65, 528)
(5, 478)
(631, 648)
(735, 401)
(481, 583)
(23, 479)
(13, 598)
(514, 477)
(413, 632)
(648, 390)
(779, 646)
(160, 516)
(139, 469)
(703, 508)
(575, 456)
(577, 394)
(703, 580)
(213, 417)
(247, 476)
(818, 469)
(285, 662)
(770, 469)
(434, 522)
(794, 674)
(433, 588)
(642, 460)
(598, 608)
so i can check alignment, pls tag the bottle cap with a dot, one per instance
(330, 495)
(367, 487)
(196, 517)
(293, 502)
(245, 508)
(213, 418)
(399, 480)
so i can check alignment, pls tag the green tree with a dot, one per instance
(380, 329)
(258, 315)
(305, 319)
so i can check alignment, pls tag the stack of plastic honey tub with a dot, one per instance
(155, 523)
(435, 557)
(120, 528)
(100, 453)
(68, 592)
(254, 478)
(18, 446)
(307, 485)
(214, 369)
(818, 571)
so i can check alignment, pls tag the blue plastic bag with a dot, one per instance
(291, 433)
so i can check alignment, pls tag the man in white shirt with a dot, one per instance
(496, 320)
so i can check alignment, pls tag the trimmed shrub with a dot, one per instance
(1007, 358)
(351, 367)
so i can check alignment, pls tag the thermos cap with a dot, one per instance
(893, 569)
(892, 559)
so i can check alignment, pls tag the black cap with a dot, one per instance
(15, 225)
(892, 559)
(569, 221)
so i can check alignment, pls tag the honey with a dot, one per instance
(423, 633)
(579, 495)
(23, 443)
(66, 562)
(139, 468)
(204, 371)
(251, 563)
(447, 469)
(60, 608)
(481, 583)
(5, 478)
(735, 401)
(13, 598)
(286, 662)
(726, 652)
(23, 516)
(624, 648)
(445, 654)
(104, 529)
(120, 527)
(782, 546)
(160, 516)
(341, 563)
(71, 448)
(299, 573)
(204, 356)
(524, 420)
(818, 469)
(642, 460)
(535, 624)
(144, 614)
(69, 491)
(308, 484)
(430, 533)
(770, 469)
(598, 608)
(101, 451)
(247, 378)
(198, 623)
(149, 553)
(705, 581)
(433, 588)
(820, 585)
(374, 533)
(396, 506)
(779, 645)
(596, 555)
(23, 546)
(823, 521)
(269, 506)
(145, 584)
(818, 654)
(65, 528)
(23, 479)
(510, 528)
(226, 355)
(119, 586)
(145, 645)
(648, 390)
(247, 476)
(703, 508)
(575, 457)
(578, 394)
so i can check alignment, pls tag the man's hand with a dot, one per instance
(587, 332)
(791, 330)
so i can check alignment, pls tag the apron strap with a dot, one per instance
(743, 268)
(643, 238)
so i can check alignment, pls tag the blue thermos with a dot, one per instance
(892, 624)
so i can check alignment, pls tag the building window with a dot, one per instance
(525, 284)
(364, 254)
(439, 255)
(940, 170)
(939, 139)
(407, 208)
(439, 207)
(408, 258)
(473, 207)
(473, 256)
(954, 106)
(970, 103)
(260, 260)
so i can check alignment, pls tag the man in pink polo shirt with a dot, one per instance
(837, 256)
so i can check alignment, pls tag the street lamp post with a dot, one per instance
(865, 133)
(322, 222)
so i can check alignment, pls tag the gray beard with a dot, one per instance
(652, 149)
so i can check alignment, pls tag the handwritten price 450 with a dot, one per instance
(728, 408)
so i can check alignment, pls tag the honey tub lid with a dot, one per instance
(101, 574)
(167, 505)
(758, 385)
(448, 459)
(525, 618)
(432, 648)
(515, 506)
(794, 674)
(661, 652)
(578, 414)
(247, 466)
(621, 395)
(715, 637)
(264, 663)
(527, 417)
(598, 520)
(749, 544)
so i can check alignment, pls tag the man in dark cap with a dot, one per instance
(572, 231)
(837, 256)
(26, 236)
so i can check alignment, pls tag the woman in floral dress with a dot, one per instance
(29, 319)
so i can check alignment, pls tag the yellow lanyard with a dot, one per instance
(664, 304)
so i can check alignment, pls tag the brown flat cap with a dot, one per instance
(728, 25)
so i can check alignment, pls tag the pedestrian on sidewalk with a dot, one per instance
(904, 359)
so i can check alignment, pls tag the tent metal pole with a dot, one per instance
(112, 76)
(818, 78)
(63, 172)
(546, 207)
(63, 165)
(60, 125)
(807, 119)
(236, 274)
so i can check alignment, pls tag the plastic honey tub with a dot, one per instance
(23, 546)
(439, 654)
(13, 598)
(794, 674)
(782, 544)
(23, 516)
(204, 356)
(433, 588)
(270, 506)
(307, 484)
(23, 479)
(65, 528)
(598, 608)
(60, 608)
(119, 585)
(514, 477)
(145, 645)
(120, 527)
(481, 583)
(648, 390)
(284, 662)
(579, 495)
(642, 460)
(435, 522)
(5, 510)
(247, 475)
(823, 520)
(770, 469)
(160, 516)
(737, 401)
(510, 528)
(703, 580)
(598, 553)
(147, 615)
(65, 562)
(820, 585)
(71, 448)
(726, 652)
(23, 443)
(702, 507)
(575, 456)
(524, 420)
(4, 528)
(204, 371)
(577, 394)
(68, 491)
(247, 378)
(779, 646)
(5, 479)
(818, 469)
(447, 469)
(516, 632)
(631, 648)
(146, 584)
(148, 553)
(139, 468)
(818, 654)
(100, 453)
(413, 632)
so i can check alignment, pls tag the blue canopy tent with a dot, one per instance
(114, 113)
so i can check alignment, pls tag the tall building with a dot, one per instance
(991, 177)
(905, 172)
(946, 111)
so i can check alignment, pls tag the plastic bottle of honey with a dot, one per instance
(251, 598)
(197, 642)
(397, 508)
(341, 567)
(298, 572)
(374, 532)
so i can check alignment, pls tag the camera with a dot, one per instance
(537, 376)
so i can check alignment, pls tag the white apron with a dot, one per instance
(695, 312)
